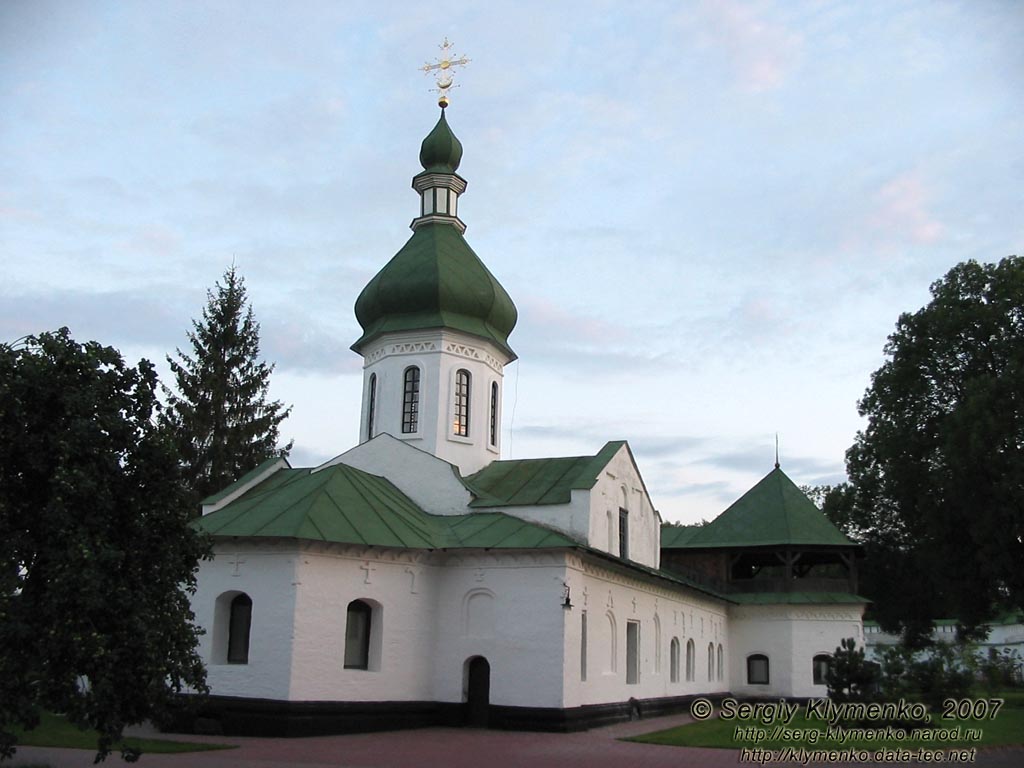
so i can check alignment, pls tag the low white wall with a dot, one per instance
(611, 599)
(790, 636)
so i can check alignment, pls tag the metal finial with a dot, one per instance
(776, 450)
(444, 72)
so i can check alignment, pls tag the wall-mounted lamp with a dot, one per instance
(566, 602)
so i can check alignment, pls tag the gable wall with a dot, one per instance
(620, 485)
(427, 480)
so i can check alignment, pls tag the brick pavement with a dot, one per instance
(452, 748)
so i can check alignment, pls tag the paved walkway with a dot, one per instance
(450, 748)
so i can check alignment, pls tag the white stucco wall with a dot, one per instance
(439, 354)
(507, 608)
(266, 573)
(611, 598)
(790, 636)
(572, 519)
(402, 589)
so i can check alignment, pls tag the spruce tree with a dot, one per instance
(221, 418)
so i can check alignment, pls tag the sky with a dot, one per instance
(709, 214)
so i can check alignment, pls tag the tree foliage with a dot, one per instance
(96, 555)
(937, 476)
(221, 416)
(850, 676)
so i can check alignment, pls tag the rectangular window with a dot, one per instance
(757, 670)
(632, 652)
(442, 201)
(583, 647)
(623, 534)
(820, 669)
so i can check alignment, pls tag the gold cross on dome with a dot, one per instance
(444, 73)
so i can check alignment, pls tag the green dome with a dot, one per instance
(436, 281)
(441, 151)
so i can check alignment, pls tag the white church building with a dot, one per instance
(420, 579)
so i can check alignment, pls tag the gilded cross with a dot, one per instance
(444, 73)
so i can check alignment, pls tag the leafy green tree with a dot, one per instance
(221, 416)
(96, 555)
(937, 476)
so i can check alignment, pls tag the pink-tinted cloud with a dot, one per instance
(762, 51)
(901, 211)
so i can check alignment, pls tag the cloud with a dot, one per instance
(758, 460)
(901, 211)
(762, 52)
(646, 445)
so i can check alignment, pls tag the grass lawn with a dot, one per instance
(1006, 729)
(55, 731)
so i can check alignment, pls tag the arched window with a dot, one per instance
(820, 667)
(371, 405)
(711, 662)
(239, 624)
(673, 663)
(691, 652)
(613, 649)
(494, 414)
(460, 424)
(757, 669)
(357, 635)
(411, 400)
(721, 662)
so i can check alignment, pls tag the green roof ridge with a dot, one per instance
(246, 478)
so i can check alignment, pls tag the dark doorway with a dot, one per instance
(478, 692)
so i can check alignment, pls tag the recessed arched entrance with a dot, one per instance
(478, 691)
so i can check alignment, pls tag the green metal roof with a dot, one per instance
(436, 281)
(677, 536)
(345, 505)
(795, 598)
(243, 480)
(772, 513)
(530, 482)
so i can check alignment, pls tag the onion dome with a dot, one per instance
(436, 280)
(441, 151)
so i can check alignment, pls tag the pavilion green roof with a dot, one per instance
(775, 512)
(530, 482)
(345, 505)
